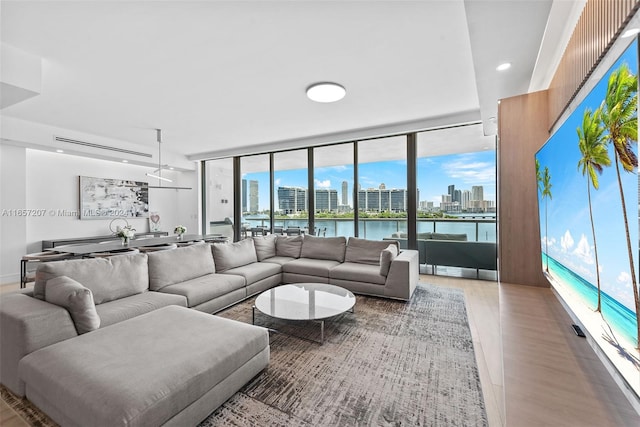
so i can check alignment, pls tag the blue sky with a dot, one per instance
(435, 174)
(568, 231)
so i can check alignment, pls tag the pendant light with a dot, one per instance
(158, 172)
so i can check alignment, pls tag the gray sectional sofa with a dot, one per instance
(80, 309)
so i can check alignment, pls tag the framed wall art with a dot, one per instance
(104, 198)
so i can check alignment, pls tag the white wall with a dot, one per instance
(51, 184)
(13, 228)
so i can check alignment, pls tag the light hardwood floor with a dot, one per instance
(534, 371)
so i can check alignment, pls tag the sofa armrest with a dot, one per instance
(26, 325)
(403, 275)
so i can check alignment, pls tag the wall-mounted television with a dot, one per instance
(588, 189)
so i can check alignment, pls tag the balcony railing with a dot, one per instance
(477, 229)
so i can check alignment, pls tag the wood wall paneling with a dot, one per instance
(600, 23)
(522, 127)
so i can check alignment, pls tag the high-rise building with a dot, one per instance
(426, 205)
(477, 193)
(292, 199)
(466, 198)
(253, 196)
(451, 191)
(345, 193)
(244, 195)
(382, 199)
(326, 200)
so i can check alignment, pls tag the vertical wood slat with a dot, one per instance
(600, 22)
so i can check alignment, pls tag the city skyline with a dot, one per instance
(435, 175)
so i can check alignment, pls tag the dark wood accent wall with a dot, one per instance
(599, 25)
(522, 126)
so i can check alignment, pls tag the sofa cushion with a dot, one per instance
(232, 255)
(289, 246)
(310, 267)
(125, 308)
(357, 272)
(386, 257)
(265, 246)
(205, 288)
(107, 278)
(331, 248)
(147, 371)
(365, 251)
(280, 260)
(78, 301)
(185, 263)
(255, 272)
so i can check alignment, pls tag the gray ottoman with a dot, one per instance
(173, 366)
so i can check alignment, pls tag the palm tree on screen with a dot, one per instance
(545, 180)
(592, 145)
(619, 117)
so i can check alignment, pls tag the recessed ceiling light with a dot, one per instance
(59, 151)
(170, 167)
(125, 161)
(630, 32)
(326, 92)
(504, 66)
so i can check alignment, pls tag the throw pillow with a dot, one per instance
(365, 251)
(265, 246)
(232, 255)
(386, 257)
(78, 301)
(289, 246)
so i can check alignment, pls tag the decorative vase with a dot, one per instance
(125, 241)
(180, 236)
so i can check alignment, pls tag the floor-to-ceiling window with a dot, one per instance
(333, 181)
(382, 188)
(456, 177)
(255, 193)
(455, 198)
(290, 188)
(218, 197)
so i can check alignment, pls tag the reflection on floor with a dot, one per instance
(466, 273)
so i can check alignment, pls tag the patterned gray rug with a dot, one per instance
(389, 364)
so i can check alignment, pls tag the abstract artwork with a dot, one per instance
(103, 198)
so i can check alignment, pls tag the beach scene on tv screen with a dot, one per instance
(588, 190)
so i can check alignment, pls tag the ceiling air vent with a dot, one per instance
(100, 147)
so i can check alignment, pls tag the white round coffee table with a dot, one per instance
(305, 301)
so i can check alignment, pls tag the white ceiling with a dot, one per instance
(229, 77)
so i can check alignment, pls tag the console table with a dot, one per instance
(49, 244)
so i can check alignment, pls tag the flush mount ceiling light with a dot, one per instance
(326, 92)
(630, 33)
(503, 67)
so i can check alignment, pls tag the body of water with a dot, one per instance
(621, 319)
(378, 229)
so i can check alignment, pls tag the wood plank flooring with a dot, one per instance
(534, 371)
(552, 376)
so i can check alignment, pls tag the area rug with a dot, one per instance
(389, 363)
